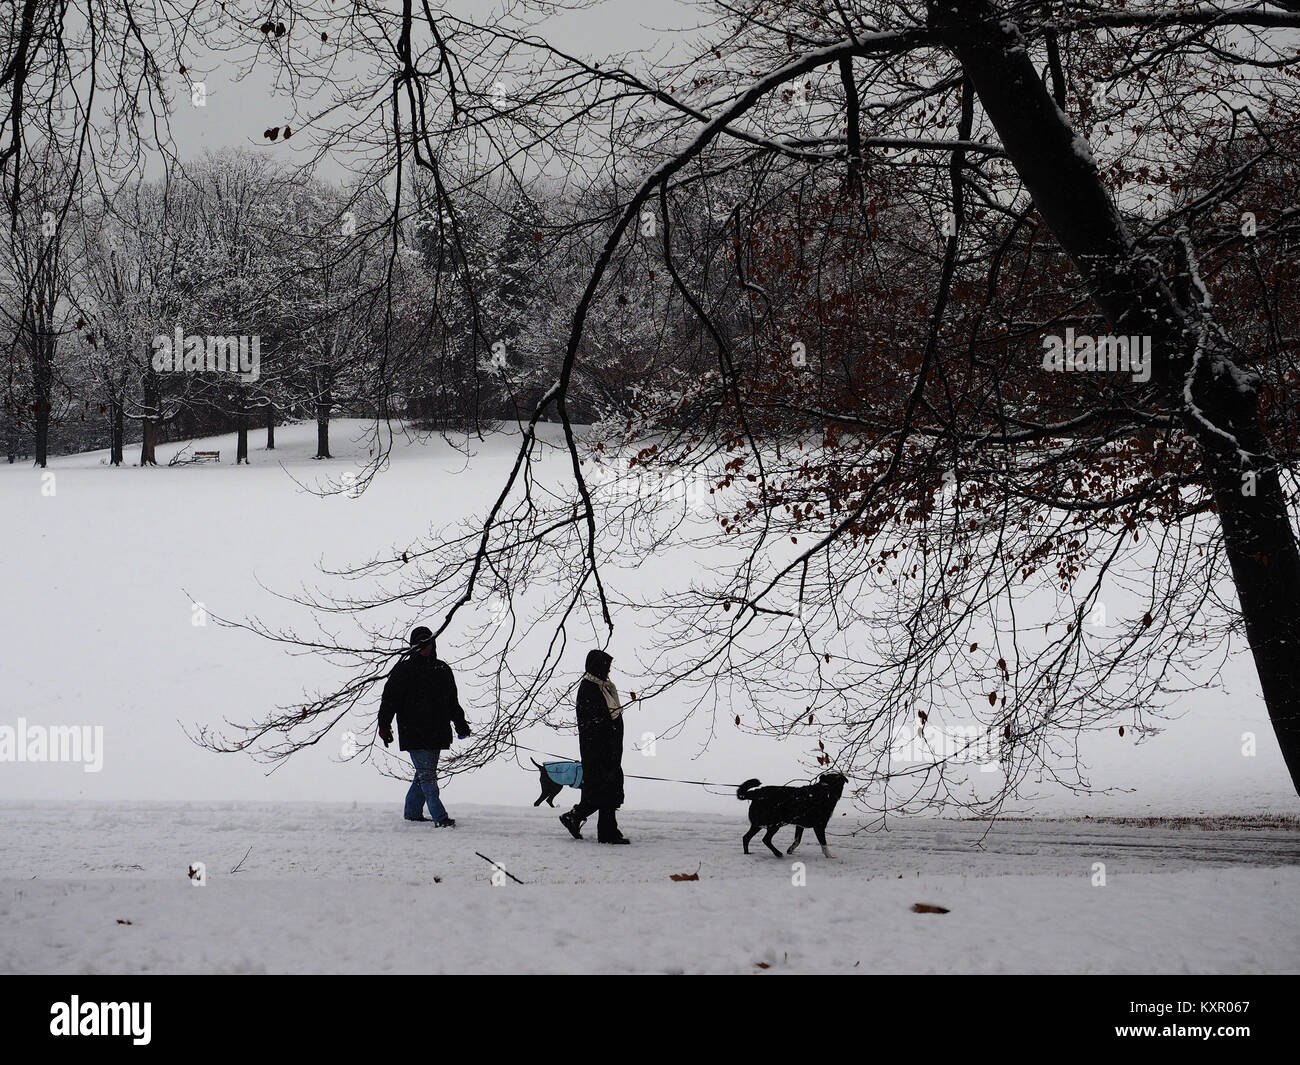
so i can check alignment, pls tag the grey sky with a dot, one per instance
(241, 99)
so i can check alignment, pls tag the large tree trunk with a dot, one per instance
(1057, 169)
(1261, 548)
(324, 403)
(43, 389)
(42, 432)
(241, 438)
(148, 441)
(270, 427)
(148, 424)
(119, 431)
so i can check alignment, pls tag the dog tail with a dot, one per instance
(743, 791)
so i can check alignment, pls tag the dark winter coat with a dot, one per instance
(421, 693)
(600, 739)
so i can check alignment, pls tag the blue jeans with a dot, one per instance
(424, 788)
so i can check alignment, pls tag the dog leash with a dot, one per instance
(675, 780)
(634, 776)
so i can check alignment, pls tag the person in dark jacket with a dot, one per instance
(600, 739)
(421, 693)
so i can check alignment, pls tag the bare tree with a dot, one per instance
(36, 275)
(903, 201)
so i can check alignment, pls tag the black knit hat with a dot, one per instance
(420, 635)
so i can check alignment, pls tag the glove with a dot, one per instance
(386, 734)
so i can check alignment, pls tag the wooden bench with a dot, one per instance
(207, 456)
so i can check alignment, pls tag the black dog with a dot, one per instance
(555, 775)
(809, 807)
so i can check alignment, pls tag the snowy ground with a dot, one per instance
(102, 567)
(100, 576)
(352, 888)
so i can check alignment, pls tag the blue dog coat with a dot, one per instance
(567, 773)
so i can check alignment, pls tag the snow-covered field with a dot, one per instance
(352, 888)
(100, 577)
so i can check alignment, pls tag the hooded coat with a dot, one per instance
(600, 739)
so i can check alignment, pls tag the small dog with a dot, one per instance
(808, 807)
(555, 775)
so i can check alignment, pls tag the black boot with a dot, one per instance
(607, 829)
(572, 824)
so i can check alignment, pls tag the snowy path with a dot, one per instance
(344, 888)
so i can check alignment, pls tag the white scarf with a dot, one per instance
(610, 693)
